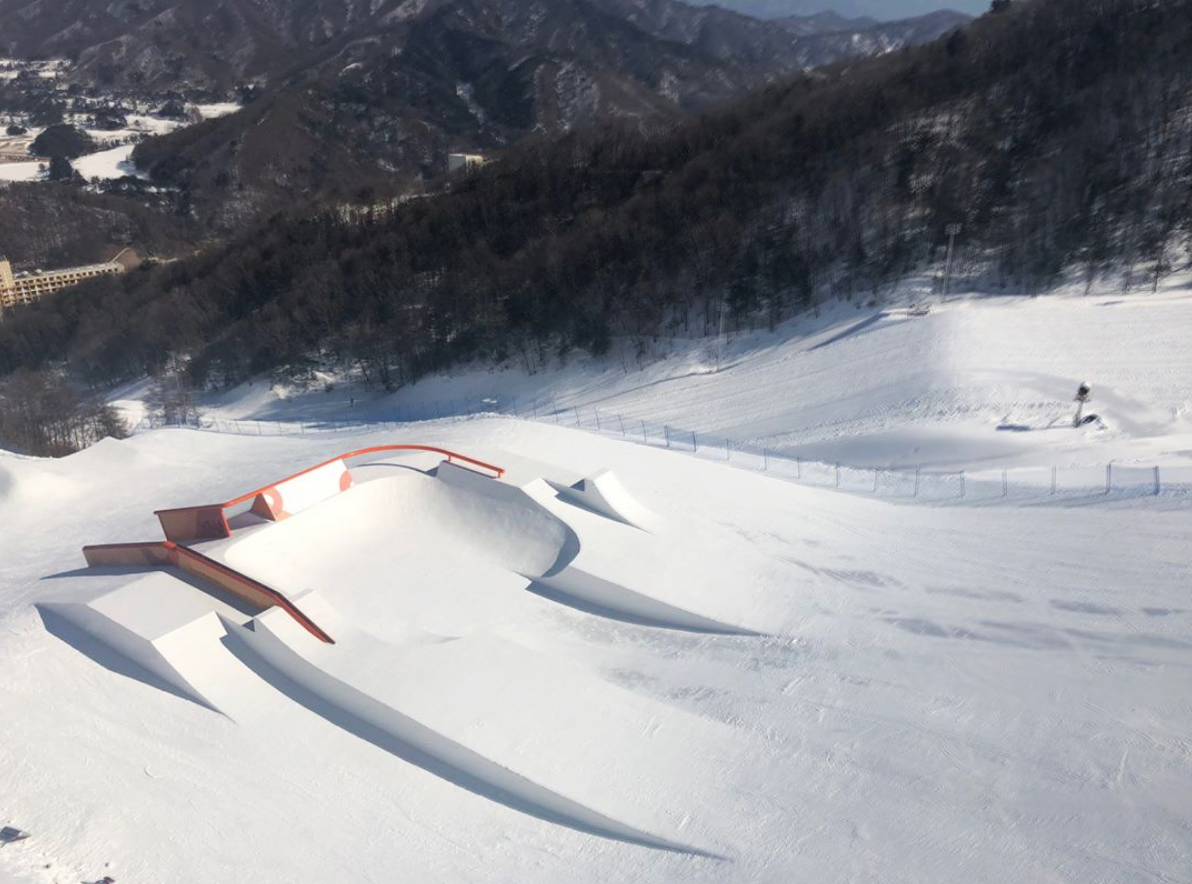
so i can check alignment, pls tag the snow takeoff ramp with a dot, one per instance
(605, 495)
(157, 622)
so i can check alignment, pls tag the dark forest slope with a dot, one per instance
(1059, 132)
(392, 100)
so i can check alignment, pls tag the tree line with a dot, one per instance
(44, 415)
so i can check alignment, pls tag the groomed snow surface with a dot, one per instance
(618, 662)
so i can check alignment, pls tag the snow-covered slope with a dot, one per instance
(621, 663)
(976, 383)
(915, 692)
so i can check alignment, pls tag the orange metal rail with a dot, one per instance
(378, 449)
(210, 521)
(168, 554)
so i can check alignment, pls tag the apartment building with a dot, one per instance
(25, 288)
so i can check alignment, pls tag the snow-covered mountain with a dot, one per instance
(181, 44)
(883, 10)
(480, 75)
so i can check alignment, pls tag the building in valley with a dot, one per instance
(466, 161)
(25, 288)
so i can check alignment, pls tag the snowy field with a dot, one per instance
(114, 158)
(619, 663)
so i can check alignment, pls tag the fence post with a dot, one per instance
(666, 433)
(597, 410)
(694, 443)
(837, 475)
(644, 439)
(1108, 477)
(621, 421)
(728, 449)
(875, 475)
(765, 459)
(799, 468)
(1157, 486)
(962, 483)
(1054, 472)
(1005, 484)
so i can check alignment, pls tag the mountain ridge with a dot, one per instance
(1051, 132)
(477, 76)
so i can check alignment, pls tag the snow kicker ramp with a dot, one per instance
(156, 628)
(604, 495)
(408, 540)
(467, 711)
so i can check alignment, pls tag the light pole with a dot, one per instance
(953, 230)
(720, 347)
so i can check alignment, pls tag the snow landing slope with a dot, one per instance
(764, 683)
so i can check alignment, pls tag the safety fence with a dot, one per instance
(893, 481)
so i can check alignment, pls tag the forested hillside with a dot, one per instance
(58, 225)
(1057, 131)
(390, 100)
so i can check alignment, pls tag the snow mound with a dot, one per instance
(456, 510)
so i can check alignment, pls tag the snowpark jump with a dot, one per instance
(613, 661)
(274, 592)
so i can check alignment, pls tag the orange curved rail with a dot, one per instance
(210, 521)
(451, 456)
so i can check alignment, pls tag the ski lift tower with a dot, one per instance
(1082, 396)
(953, 231)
